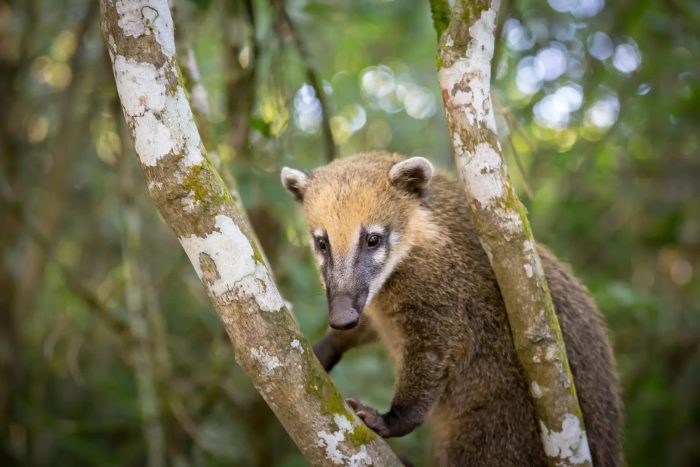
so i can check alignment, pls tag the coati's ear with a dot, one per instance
(412, 175)
(295, 181)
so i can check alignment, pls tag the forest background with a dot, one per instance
(107, 337)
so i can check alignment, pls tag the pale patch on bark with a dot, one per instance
(178, 111)
(154, 113)
(144, 17)
(483, 175)
(152, 139)
(155, 185)
(510, 220)
(531, 255)
(570, 444)
(238, 274)
(141, 85)
(297, 345)
(468, 79)
(112, 45)
(189, 202)
(332, 442)
(536, 390)
(538, 331)
(269, 363)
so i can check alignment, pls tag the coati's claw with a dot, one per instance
(371, 417)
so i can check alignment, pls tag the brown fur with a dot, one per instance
(441, 314)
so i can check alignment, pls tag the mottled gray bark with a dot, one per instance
(193, 200)
(464, 62)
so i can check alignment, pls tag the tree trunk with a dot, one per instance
(464, 62)
(192, 199)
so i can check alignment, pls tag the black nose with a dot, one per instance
(342, 315)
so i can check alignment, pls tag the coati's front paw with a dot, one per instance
(371, 417)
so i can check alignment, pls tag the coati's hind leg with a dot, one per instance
(501, 432)
(335, 343)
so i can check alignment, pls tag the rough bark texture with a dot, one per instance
(464, 62)
(193, 200)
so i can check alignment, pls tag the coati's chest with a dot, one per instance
(383, 321)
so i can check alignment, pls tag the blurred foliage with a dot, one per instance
(598, 110)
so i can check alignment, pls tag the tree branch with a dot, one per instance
(199, 97)
(193, 200)
(464, 61)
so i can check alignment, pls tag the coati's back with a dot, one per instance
(588, 349)
(394, 239)
(461, 263)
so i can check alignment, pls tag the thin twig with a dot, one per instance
(508, 119)
(311, 75)
(521, 169)
(514, 123)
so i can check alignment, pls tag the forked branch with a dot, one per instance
(190, 195)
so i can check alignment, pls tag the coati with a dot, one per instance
(400, 259)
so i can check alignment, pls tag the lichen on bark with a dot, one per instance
(193, 200)
(465, 53)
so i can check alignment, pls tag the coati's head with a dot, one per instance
(364, 215)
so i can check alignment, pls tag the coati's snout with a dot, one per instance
(343, 313)
(347, 283)
(364, 214)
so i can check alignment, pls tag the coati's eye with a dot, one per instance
(374, 240)
(321, 244)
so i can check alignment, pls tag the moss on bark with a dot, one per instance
(193, 200)
(504, 230)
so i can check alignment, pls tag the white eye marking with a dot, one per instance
(390, 260)
(320, 259)
(380, 255)
(397, 254)
(374, 229)
(394, 237)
